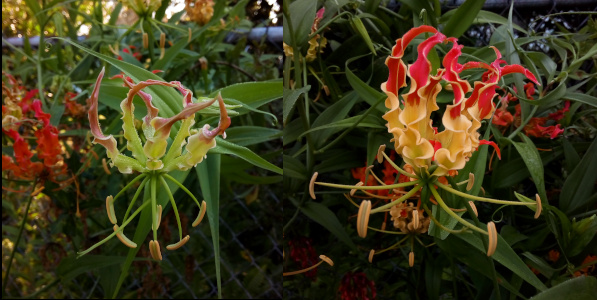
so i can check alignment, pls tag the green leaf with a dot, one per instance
(290, 97)
(225, 147)
(505, 256)
(71, 267)
(294, 168)
(555, 95)
(333, 113)
(209, 178)
(250, 135)
(582, 98)
(253, 94)
(582, 234)
(530, 156)
(582, 287)
(462, 18)
(357, 23)
(326, 218)
(578, 188)
(369, 94)
(301, 18)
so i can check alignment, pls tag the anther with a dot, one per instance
(381, 149)
(492, 238)
(411, 259)
(158, 217)
(179, 244)
(124, 239)
(371, 253)
(145, 40)
(415, 219)
(190, 35)
(327, 260)
(110, 209)
(312, 185)
(474, 207)
(105, 165)
(539, 206)
(201, 214)
(355, 190)
(471, 181)
(363, 218)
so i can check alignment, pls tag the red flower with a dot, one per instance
(502, 118)
(304, 255)
(356, 286)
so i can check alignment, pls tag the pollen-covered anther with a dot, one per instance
(154, 249)
(162, 40)
(190, 35)
(381, 149)
(105, 165)
(201, 214)
(411, 259)
(363, 218)
(471, 181)
(492, 238)
(371, 253)
(145, 40)
(474, 207)
(415, 219)
(312, 185)
(158, 217)
(179, 244)
(110, 209)
(539, 206)
(355, 190)
(327, 260)
(124, 239)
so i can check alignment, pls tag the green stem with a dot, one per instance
(365, 187)
(399, 200)
(16, 244)
(490, 200)
(137, 193)
(154, 207)
(438, 224)
(167, 188)
(120, 229)
(453, 214)
(182, 187)
(129, 185)
(397, 167)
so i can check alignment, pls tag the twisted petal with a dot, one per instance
(98, 136)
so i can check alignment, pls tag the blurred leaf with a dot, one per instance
(301, 17)
(333, 113)
(366, 92)
(583, 232)
(582, 287)
(582, 98)
(71, 267)
(209, 179)
(462, 18)
(225, 147)
(540, 264)
(505, 256)
(578, 188)
(326, 218)
(253, 94)
(290, 97)
(250, 135)
(359, 27)
(530, 156)
(294, 168)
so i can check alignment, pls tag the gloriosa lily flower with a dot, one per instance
(432, 157)
(152, 159)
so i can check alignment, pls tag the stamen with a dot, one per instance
(151, 251)
(158, 217)
(37, 191)
(327, 260)
(474, 207)
(110, 209)
(471, 181)
(355, 190)
(371, 253)
(492, 238)
(157, 250)
(201, 214)
(190, 35)
(124, 239)
(381, 149)
(415, 219)
(179, 244)
(145, 40)
(539, 206)
(105, 165)
(312, 185)
(363, 218)
(162, 40)
(411, 259)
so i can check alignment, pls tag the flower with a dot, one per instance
(153, 159)
(303, 254)
(200, 11)
(355, 285)
(316, 43)
(431, 157)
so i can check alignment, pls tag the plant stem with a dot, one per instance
(16, 244)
